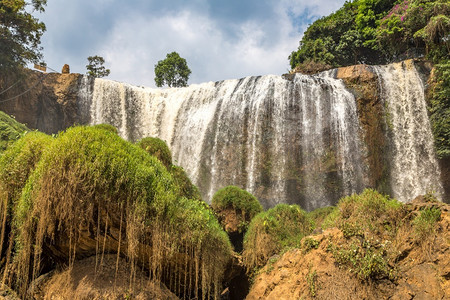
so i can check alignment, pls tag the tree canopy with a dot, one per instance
(376, 32)
(20, 33)
(95, 67)
(173, 71)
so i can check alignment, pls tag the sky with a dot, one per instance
(220, 39)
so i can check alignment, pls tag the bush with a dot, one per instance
(245, 204)
(158, 148)
(425, 222)
(107, 127)
(91, 178)
(274, 231)
(10, 130)
(186, 188)
(369, 211)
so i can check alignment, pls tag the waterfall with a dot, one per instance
(286, 141)
(414, 169)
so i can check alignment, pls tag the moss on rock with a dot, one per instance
(158, 148)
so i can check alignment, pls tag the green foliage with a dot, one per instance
(368, 261)
(238, 199)
(367, 212)
(320, 214)
(107, 127)
(440, 108)
(376, 32)
(158, 148)
(95, 67)
(311, 279)
(274, 231)
(425, 222)
(10, 130)
(186, 188)
(19, 160)
(173, 71)
(309, 244)
(87, 172)
(20, 33)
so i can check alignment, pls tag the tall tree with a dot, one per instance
(172, 71)
(95, 67)
(20, 33)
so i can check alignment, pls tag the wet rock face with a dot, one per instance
(363, 83)
(47, 102)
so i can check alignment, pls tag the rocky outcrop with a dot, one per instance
(362, 82)
(44, 101)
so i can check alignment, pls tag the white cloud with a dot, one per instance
(134, 39)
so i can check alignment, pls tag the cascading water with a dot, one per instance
(414, 169)
(286, 141)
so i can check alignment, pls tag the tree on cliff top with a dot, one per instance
(95, 67)
(20, 33)
(172, 71)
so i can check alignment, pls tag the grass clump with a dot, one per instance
(319, 215)
(10, 130)
(90, 183)
(245, 205)
(425, 222)
(158, 148)
(274, 231)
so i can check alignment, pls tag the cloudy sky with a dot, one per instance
(220, 39)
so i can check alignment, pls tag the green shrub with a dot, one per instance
(87, 172)
(320, 214)
(368, 261)
(186, 188)
(309, 244)
(107, 127)
(369, 211)
(245, 204)
(10, 130)
(158, 148)
(425, 222)
(274, 231)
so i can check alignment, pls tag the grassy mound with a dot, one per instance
(158, 148)
(16, 164)
(107, 127)
(186, 188)
(245, 205)
(10, 130)
(367, 221)
(274, 231)
(91, 184)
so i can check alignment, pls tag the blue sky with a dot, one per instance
(220, 39)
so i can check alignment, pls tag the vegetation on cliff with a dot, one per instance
(376, 32)
(90, 184)
(244, 204)
(274, 231)
(368, 246)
